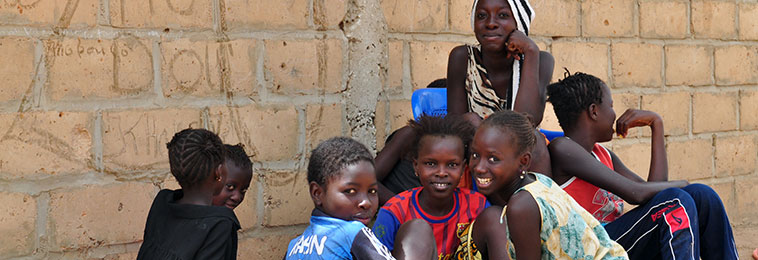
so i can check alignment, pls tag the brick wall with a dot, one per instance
(95, 88)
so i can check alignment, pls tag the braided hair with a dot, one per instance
(573, 94)
(515, 124)
(450, 125)
(193, 155)
(333, 155)
(237, 155)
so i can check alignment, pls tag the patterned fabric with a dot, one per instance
(481, 97)
(405, 207)
(603, 205)
(467, 249)
(567, 230)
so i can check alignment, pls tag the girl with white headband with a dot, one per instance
(505, 71)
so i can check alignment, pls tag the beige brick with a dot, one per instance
(748, 21)
(49, 13)
(725, 190)
(636, 64)
(87, 216)
(98, 68)
(556, 18)
(400, 113)
(268, 247)
(380, 122)
(714, 19)
(590, 58)
(135, 140)
(395, 70)
(162, 14)
(429, 61)
(690, 159)
(673, 107)
(689, 65)
(748, 106)
(323, 121)
(247, 211)
(549, 120)
(635, 156)
(304, 67)
(746, 203)
(460, 16)
(208, 68)
(736, 65)
(265, 14)
(415, 15)
(295, 207)
(121, 256)
(17, 213)
(57, 142)
(255, 127)
(736, 155)
(714, 112)
(663, 19)
(327, 14)
(745, 238)
(613, 18)
(16, 79)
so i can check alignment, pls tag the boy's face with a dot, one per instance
(606, 115)
(235, 187)
(439, 165)
(493, 23)
(350, 195)
(494, 160)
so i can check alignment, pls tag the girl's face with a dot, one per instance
(606, 115)
(351, 195)
(494, 160)
(439, 165)
(237, 183)
(493, 23)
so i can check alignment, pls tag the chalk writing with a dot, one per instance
(60, 49)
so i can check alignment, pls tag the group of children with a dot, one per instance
(479, 183)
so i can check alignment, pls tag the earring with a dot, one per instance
(218, 178)
(523, 173)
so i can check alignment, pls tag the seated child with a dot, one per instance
(674, 220)
(505, 71)
(182, 224)
(543, 221)
(343, 188)
(239, 173)
(439, 157)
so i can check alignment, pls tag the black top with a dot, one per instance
(183, 231)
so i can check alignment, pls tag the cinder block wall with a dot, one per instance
(93, 89)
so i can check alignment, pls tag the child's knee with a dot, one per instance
(700, 190)
(415, 229)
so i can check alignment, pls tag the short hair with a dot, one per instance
(333, 155)
(450, 125)
(571, 95)
(193, 155)
(517, 125)
(237, 155)
(438, 83)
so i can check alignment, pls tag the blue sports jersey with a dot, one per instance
(333, 238)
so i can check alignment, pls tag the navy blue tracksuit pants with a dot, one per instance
(686, 223)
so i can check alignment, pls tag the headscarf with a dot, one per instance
(523, 14)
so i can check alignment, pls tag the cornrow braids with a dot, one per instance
(237, 155)
(333, 155)
(573, 94)
(517, 125)
(193, 155)
(450, 125)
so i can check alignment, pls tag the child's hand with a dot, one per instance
(518, 44)
(635, 118)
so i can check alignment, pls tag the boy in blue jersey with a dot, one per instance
(343, 187)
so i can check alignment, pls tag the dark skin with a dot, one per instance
(502, 44)
(440, 160)
(496, 160)
(392, 152)
(202, 193)
(572, 156)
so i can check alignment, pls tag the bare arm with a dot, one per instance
(389, 156)
(536, 73)
(457, 104)
(490, 235)
(524, 225)
(571, 159)
(658, 163)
